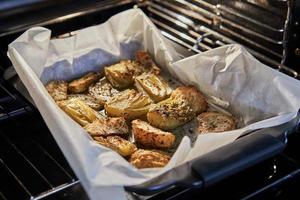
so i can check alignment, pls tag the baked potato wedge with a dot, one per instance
(102, 90)
(154, 86)
(149, 136)
(57, 90)
(184, 104)
(149, 158)
(118, 144)
(82, 84)
(107, 127)
(79, 111)
(214, 122)
(128, 104)
(121, 75)
(88, 99)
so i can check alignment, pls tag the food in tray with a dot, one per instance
(121, 75)
(120, 145)
(79, 111)
(149, 136)
(149, 158)
(57, 90)
(152, 100)
(215, 122)
(154, 86)
(145, 59)
(102, 90)
(82, 84)
(129, 104)
(108, 126)
(184, 104)
(88, 99)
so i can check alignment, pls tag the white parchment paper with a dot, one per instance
(230, 77)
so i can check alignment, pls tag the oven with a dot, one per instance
(32, 165)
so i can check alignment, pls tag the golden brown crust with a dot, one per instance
(145, 59)
(108, 126)
(102, 140)
(118, 144)
(82, 84)
(149, 158)
(149, 136)
(196, 100)
(78, 111)
(102, 90)
(154, 86)
(184, 104)
(89, 100)
(212, 122)
(121, 75)
(57, 90)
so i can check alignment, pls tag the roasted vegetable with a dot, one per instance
(149, 136)
(79, 111)
(145, 59)
(118, 144)
(184, 104)
(102, 90)
(57, 90)
(212, 122)
(89, 100)
(149, 158)
(154, 86)
(108, 126)
(121, 75)
(128, 104)
(82, 84)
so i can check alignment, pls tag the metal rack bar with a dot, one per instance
(249, 41)
(55, 190)
(27, 161)
(175, 39)
(181, 12)
(263, 6)
(2, 197)
(5, 90)
(52, 187)
(54, 160)
(175, 19)
(217, 16)
(15, 177)
(240, 15)
(193, 31)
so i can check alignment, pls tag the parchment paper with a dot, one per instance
(230, 77)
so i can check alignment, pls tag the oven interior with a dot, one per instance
(33, 167)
